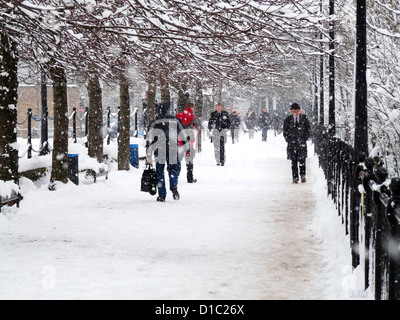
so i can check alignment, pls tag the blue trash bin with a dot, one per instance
(134, 155)
(73, 168)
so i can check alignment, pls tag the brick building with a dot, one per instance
(29, 96)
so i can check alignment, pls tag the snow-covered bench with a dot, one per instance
(9, 194)
(92, 168)
(35, 167)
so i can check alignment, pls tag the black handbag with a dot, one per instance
(149, 180)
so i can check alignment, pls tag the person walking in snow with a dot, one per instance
(190, 122)
(235, 125)
(162, 143)
(218, 124)
(264, 122)
(277, 122)
(296, 131)
(251, 122)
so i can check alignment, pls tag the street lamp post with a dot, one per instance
(361, 114)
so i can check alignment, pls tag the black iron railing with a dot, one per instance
(368, 202)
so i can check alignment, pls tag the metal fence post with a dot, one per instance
(108, 124)
(74, 124)
(86, 126)
(136, 124)
(355, 200)
(348, 168)
(369, 216)
(29, 133)
(119, 121)
(382, 231)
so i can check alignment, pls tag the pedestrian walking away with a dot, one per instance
(218, 124)
(235, 125)
(296, 131)
(264, 123)
(162, 143)
(251, 122)
(193, 127)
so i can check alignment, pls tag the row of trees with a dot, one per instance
(177, 43)
(384, 80)
(257, 46)
(382, 77)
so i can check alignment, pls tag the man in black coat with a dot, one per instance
(296, 131)
(218, 124)
(235, 125)
(263, 122)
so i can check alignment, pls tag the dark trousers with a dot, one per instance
(219, 148)
(173, 173)
(235, 134)
(298, 164)
(222, 150)
(264, 134)
(189, 172)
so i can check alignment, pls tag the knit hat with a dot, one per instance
(186, 116)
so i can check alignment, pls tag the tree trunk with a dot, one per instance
(164, 90)
(59, 171)
(315, 93)
(151, 100)
(8, 109)
(125, 121)
(198, 107)
(183, 98)
(198, 111)
(44, 126)
(95, 137)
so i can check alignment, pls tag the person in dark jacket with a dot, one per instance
(264, 122)
(162, 142)
(235, 125)
(277, 123)
(296, 131)
(218, 124)
(251, 121)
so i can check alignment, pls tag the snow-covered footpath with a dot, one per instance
(243, 231)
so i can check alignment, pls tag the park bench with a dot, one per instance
(15, 198)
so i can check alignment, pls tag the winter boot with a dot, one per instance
(189, 174)
(160, 199)
(175, 193)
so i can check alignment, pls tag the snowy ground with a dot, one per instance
(243, 231)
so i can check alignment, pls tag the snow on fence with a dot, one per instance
(111, 128)
(368, 202)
